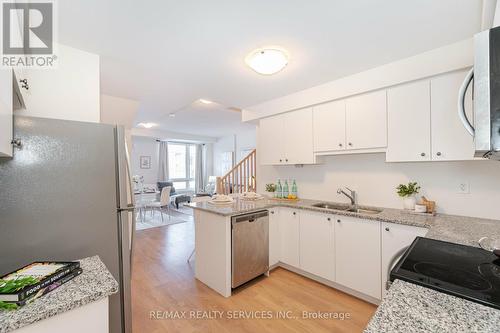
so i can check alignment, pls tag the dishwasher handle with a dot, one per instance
(251, 217)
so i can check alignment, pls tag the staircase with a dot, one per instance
(241, 178)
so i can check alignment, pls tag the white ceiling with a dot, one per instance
(167, 54)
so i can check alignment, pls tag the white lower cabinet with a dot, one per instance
(357, 255)
(352, 252)
(317, 252)
(274, 236)
(289, 221)
(395, 239)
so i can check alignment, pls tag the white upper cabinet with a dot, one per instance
(298, 137)
(274, 236)
(271, 141)
(289, 241)
(356, 123)
(6, 109)
(450, 140)
(366, 121)
(395, 239)
(317, 252)
(287, 138)
(409, 122)
(329, 126)
(357, 255)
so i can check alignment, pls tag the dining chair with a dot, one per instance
(164, 202)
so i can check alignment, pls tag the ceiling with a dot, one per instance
(167, 54)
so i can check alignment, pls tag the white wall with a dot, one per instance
(145, 146)
(375, 182)
(223, 144)
(119, 111)
(70, 91)
(244, 139)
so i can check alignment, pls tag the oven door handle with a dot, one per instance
(392, 262)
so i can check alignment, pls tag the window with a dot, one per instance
(181, 165)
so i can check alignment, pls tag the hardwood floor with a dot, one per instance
(162, 281)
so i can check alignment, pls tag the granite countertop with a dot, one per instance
(408, 307)
(451, 228)
(95, 283)
(239, 206)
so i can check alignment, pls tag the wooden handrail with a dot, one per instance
(241, 178)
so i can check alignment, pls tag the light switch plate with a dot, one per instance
(464, 188)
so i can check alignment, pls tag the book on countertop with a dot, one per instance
(27, 281)
(43, 291)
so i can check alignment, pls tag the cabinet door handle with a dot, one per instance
(272, 212)
(350, 144)
(387, 229)
(281, 160)
(328, 219)
(24, 84)
(422, 154)
(338, 221)
(294, 213)
(286, 159)
(438, 153)
(340, 145)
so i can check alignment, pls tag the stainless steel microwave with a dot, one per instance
(485, 75)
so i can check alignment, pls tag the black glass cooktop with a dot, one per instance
(464, 271)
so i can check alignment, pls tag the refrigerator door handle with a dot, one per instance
(129, 176)
(130, 208)
(131, 205)
(461, 102)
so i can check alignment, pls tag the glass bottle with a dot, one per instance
(285, 190)
(294, 189)
(279, 189)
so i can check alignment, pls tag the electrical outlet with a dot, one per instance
(463, 188)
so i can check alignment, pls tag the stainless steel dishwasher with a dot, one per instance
(249, 246)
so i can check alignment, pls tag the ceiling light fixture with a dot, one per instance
(268, 60)
(205, 101)
(146, 125)
(171, 115)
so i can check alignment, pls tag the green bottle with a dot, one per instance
(279, 189)
(285, 190)
(294, 189)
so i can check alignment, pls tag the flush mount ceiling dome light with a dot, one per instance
(267, 60)
(146, 125)
(205, 101)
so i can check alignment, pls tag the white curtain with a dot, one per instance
(163, 162)
(199, 179)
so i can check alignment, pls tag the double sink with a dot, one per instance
(353, 209)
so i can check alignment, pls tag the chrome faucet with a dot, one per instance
(351, 196)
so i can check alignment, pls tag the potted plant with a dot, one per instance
(408, 192)
(271, 188)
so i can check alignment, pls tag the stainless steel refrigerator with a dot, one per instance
(65, 195)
